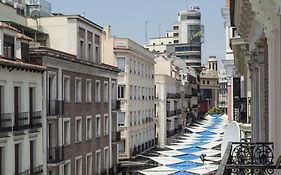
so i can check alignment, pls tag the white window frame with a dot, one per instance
(89, 132)
(66, 92)
(120, 87)
(98, 126)
(91, 163)
(98, 162)
(88, 90)
(105, 91)
(106, 162)
(78, 90)
(98, 91)
(78, 136)
(69, 168)
(68, 131)
(106, 124)
(80, 159)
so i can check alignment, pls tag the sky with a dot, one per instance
(127, 19)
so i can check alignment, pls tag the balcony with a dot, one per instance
(55, 155)
(187, 96)
(37, 170)
(115, 105)
(25, 172)
(247, 158)
(21, 121)
(35, 120)
(178, 111)
(171, 113)
(116, 136)
(6, 124)
(55, 107)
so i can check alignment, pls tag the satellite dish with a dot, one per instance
(35, 14)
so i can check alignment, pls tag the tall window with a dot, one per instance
(121, 91)
(121, 63)
(1, 99)
(66, 168)
(90, 45)
(98, 162)
(105, 92)
(88, 127)
(82, 49)
(98, 125)
(78, 90)
(78, 166)
(97, 91)
(88, 90)
(78, 129)
(66, 131)
(66, 88)
(9, 46)
(106, 124)
(89, 164)
(106, 158)
(121, 119)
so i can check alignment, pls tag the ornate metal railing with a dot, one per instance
(243, 158)
(35, 120)
(6, 124)
(55, 107)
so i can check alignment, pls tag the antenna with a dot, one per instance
(35, 14)
(83, 13)
(146, 22)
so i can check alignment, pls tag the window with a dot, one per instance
(78, 166)
(98, 126)
(176, 34)
(88, 127)
(131, 92)
(176, 27)
(105, 92)
(121, 119)
(97, 51)
(9, 46)
(208, 82)
(66, 168)
(121, 91)
(90, 45)
(106, 124)
(121, 63)
(176, 41)
(2, 99)
(78, 90)
(66, 131)
(97, 91)
(88, 91)
(89, 164)
(66, 88)
(24, 51)
(78, 127)
(82, 49)
(98, 162)
(106, 158)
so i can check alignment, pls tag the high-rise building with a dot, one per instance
(185, 40)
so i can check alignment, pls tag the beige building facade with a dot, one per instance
(136, 120)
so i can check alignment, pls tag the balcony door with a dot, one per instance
(16, 105)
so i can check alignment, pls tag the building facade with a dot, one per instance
(176, 99)
(136, 120)
(185, 40)
(209, 86)
(21, 109)
(80, 94)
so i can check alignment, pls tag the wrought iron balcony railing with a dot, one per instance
(37, 170)
(6, 124)
(21, 121)
(115, 105)
(243, 158)
(35, 119)
(25, 172)
(55, 155)
(178, 111)
(55, 107)
(171, 113)
(116, 136)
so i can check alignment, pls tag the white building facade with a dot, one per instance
(21, 109)
(135, 92)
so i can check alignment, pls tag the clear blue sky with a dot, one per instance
(127, 18)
